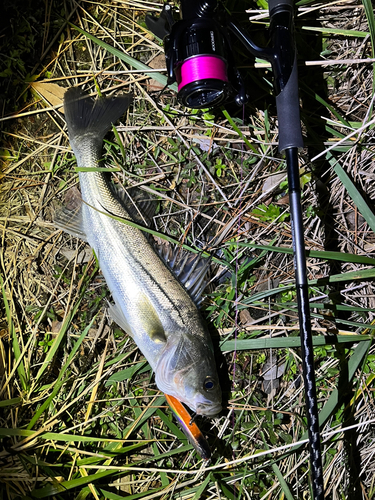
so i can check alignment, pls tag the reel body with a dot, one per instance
(198, 55)
(197, 59)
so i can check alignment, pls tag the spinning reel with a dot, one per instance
(199, 58)
(198, 55)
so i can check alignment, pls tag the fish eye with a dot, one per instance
(209, 384)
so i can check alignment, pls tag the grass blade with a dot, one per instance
(353, 364)
(240, 134)
(12, 334)
(317, 254)
(287, 342)
(64, 328)
(369, 11)
(202, 487)
(57, 487)
(283, 483)
(60, 378)
(337, 31)
(355, 195)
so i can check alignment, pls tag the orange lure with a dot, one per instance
(191, 430)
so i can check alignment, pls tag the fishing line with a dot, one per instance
(202, 68)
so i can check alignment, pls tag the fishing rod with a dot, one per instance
(199, 58)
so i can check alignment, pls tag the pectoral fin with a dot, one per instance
(147, 316)
(150, 320)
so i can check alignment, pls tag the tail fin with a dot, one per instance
(86, 116)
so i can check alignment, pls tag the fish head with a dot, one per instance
(186, 370)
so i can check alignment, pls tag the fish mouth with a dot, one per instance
(208, 410)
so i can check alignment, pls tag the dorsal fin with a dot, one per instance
(190, 269)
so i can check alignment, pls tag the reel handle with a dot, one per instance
(161, 26)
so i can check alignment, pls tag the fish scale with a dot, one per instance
(150, 304)
(110, 238)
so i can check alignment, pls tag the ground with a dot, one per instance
(82, 416)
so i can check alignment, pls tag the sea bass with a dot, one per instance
(150, 304)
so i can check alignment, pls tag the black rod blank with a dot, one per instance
(284, 65)
(305, 323)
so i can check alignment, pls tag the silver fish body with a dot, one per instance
(150, 303)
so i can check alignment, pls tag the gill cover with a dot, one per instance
(184, 372)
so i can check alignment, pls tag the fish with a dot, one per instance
(149, 301)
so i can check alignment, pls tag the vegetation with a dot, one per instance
(81, 416)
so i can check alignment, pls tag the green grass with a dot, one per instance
(81, 416)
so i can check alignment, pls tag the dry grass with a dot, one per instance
(78, 398)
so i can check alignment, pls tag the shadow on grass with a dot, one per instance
(312, 83)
